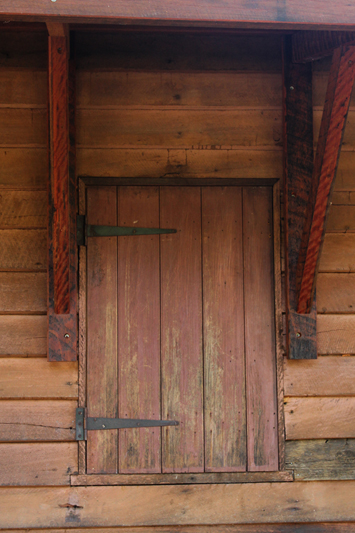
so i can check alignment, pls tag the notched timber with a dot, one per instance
(298, 151)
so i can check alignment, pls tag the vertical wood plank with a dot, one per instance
(260, 329)
(223, 330)
(82, 334)
(139, 330)
(181, 330)
(102, 330)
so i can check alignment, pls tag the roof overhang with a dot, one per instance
(256, 14)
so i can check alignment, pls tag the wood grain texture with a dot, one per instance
(340, 85)
(312, 527)
(319, 418)
(264, 15)
(19, 378)
(117, 88)
(338, 253)
(343, 198)
(23, 249)
(344, 180)
(15, 54)
(30, 420)
(139, 330)
(311, 45)
(58, 202)
(23, 87)
(21, 209)
(321, 459)
(348, 140)
(171, 51)
(23, 168)
(188, 479)
(335, 293)
(23, 335)
(160, 162)
(181, 330)
(260, 350)
(335, 334)
(178, 505)
(23, 127)
(223, 330)
(341, 219)
(316, 378)
(178, 127)
(23, 292)
(37, 464)
(298, 154)
(82, 348)
(102, 382)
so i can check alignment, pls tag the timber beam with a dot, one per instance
(298, 170)
(340, 85)
(61, 203)
(311, 45)
(263, 14)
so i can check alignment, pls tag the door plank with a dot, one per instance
(223, 330)
(181, 330)
(102, 331)
(260, 329)
(139, 330)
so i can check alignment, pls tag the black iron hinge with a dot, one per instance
(91, 230)
(84, 424)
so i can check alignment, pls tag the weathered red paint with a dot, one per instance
(340, 85)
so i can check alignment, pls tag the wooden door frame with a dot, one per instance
(243, 477)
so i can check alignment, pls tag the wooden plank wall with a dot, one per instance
(155, 105)
(37, 398)
(320, 395)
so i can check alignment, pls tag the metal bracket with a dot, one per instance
(84, 424)
(80, 433)
(91, 230)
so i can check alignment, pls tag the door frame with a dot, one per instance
(241, 477)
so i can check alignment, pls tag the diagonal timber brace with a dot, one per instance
(340, 85)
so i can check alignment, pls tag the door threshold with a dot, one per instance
(173, 479)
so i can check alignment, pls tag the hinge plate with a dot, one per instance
(91, 230)
(84, 424)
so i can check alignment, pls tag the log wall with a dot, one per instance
(163, 105)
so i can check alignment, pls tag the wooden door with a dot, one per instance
(181, 327)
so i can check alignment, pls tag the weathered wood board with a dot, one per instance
(23, 168)
(23, 335)
(319, 418)
(37, 378)
(22, 209)
(37, 463)
(335, 334)
(335, 293)
(338, 253)
(177, 505)
(163, 162)
(23, 127)
(23, 292)
(321, 459)
(23, 87)
(23, 249)
(312, 527)
(316, 378)
(31, 420)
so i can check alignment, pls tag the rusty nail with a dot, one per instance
(66, 335)
(292, 88)
(298, 334)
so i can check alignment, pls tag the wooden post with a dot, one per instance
(298, 165)
(62, 328)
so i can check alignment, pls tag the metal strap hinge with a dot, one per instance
(91, 230)
(84, 424)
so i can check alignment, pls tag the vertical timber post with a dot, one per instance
(62, 315)
(298, 171)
